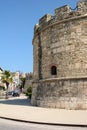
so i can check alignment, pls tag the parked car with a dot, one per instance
(10, 93)
(14, 93)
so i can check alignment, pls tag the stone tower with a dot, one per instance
(60, 59)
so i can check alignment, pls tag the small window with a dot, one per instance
(54, 70)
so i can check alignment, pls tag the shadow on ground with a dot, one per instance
(24, 102)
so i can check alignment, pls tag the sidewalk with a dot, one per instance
(28, 113)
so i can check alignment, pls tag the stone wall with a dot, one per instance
(62, 93)
(61, 41)
(62, 44)
(28, 83)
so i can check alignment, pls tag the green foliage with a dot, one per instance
(29, 92)
(22, 82)
(6, 77)
(2, 88)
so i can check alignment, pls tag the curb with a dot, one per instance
(43, 123)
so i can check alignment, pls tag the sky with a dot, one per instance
(17, 21)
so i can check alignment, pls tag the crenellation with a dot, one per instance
(62, 13)
(60, 59)
(45, 19)
(36, 27)
(82, 6)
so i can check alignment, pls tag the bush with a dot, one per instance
(4, 88)
(28, 93)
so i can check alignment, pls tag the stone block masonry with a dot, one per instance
(60, 59)
(62, 93)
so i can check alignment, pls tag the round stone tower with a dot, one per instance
(60, 59)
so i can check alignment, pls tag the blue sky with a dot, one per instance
(17, 20)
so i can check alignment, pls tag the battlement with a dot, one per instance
(62, 13)
(45, 19)
(82, 6)
(60, 59)
(62, 10)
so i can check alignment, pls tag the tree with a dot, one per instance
(29, 92)
(22, 83)
(7, 78)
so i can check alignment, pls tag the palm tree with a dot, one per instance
(6, 78)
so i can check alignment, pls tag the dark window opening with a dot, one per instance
(54, 70)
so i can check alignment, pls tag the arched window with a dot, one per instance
(53, 70)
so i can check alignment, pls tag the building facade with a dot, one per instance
(60, 59)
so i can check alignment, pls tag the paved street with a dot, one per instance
(13, 125)
(19, 108)
(22, 101)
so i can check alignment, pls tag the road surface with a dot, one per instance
(13, 125)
